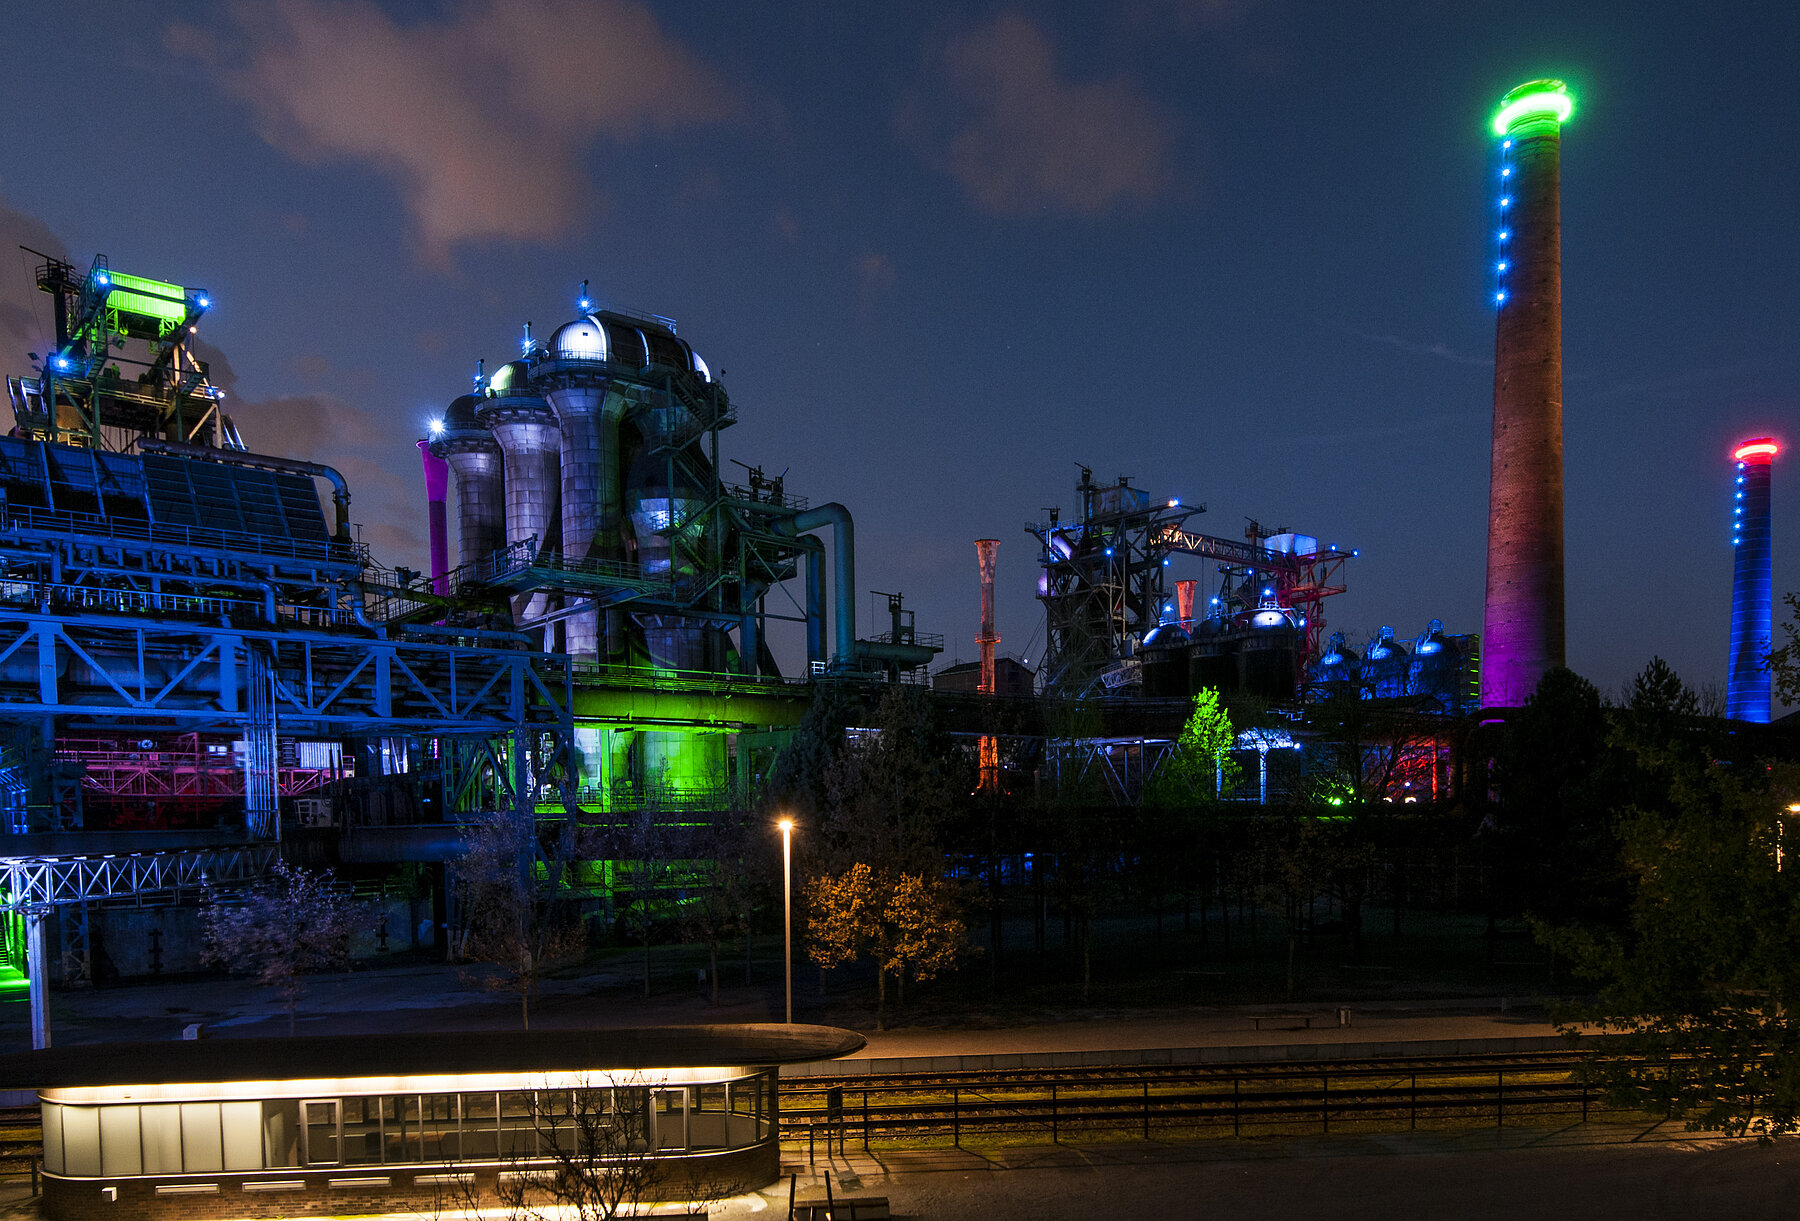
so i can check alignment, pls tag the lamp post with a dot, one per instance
(787, 908)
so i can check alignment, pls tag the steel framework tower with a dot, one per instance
(1752, 617)
(1522, 636)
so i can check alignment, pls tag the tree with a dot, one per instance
(282, 930)
(1556, 782)
(1702, 987)
(594, 1155)
(518, 924)
(908, 923)
(1200, 768)
(727, 881)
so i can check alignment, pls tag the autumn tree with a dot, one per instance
(910, 925)
(518, 924)
(282, 930)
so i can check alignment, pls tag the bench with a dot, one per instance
(1284, 1021)
(841, 1208)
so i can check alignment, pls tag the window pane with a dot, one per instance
(202, 1148)
(439, 1128)
(478, 1123)
(400, 1128)
(242, 1124)
(119, 1152)
(362, 1131)
(281, 1132)
(518, 1132)
(321, 1117)
(53, 1147)
(81, 1140)
(161, 1126)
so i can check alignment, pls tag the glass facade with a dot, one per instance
(128, 1139)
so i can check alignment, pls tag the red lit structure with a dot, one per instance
(986, 553)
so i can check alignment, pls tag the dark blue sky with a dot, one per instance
(1237, 249)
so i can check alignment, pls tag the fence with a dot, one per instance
(1187, 1102)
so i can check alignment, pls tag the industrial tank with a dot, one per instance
(475, 457)
(530, 443)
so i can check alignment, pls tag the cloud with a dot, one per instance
(1441, 351)
(875, 275)
(483, 119)
(25, 313)
(1019, 138)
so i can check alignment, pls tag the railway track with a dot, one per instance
(1190, 1100)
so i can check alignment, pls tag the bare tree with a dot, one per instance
(282, 930)
(509, 918)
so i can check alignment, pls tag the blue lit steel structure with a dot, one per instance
(159, 581)
(1752, 583)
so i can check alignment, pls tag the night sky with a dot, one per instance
(1236, 249)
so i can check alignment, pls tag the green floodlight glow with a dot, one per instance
(1534, 100)
(149, 298)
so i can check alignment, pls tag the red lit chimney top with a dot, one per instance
(1762, 449)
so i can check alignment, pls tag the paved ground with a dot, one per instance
(1591, 1173)
(433, 996)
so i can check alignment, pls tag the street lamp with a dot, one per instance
(787, 908)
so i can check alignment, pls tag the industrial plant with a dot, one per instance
(202, 669)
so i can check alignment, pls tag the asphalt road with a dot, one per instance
(1595, 1177)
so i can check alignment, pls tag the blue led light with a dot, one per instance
(1506, 144)
(1504, 234)
(1499, 266)
(205, 302)
(584, 305)
(1499, 298)
(1506, 201)
(1507, 172)
(62, 362)
(102, 278)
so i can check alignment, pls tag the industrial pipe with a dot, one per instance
(843, 563)
(340, 489)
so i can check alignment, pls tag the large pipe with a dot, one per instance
(340, 490)
(1752, 584)
(475, 456)
(843, 564)
(530, 447)
(1523, 626)
(589, 418)
(437, 486)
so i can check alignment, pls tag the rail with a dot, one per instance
(88, 527)
(1190, 1101)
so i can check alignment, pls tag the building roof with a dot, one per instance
(416, 1054)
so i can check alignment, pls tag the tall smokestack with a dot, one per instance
(1184, 603)
(986, 552)
(1752, 584)
(1522, 633)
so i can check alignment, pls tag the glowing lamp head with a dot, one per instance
(435, 428)
(1762, 449)
(786, 825)
(1533, 104)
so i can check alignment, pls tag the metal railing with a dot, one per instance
(89, 527)
(1192, 1101)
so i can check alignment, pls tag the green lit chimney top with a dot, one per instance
(1531, 103)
